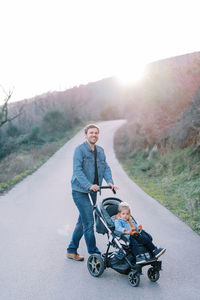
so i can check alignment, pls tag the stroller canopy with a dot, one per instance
(106, 209)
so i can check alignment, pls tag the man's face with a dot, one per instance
(92, 135)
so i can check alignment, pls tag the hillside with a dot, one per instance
(159, 146)
(86, 102)
(156, 102)
(186, 131)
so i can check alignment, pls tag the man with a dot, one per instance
(89, 169)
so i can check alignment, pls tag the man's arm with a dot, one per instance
(78, 169)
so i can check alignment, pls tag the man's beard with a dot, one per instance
(93, 143)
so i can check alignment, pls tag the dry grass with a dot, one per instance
(17, 165)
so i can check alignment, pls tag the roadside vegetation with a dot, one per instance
(159, 146)
(172, 178)
(22, 154)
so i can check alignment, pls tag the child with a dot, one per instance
(125, 224)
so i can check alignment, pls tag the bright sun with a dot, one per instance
(131, 74)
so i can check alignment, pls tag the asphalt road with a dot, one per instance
(36, 221)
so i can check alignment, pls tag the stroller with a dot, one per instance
(121, 259)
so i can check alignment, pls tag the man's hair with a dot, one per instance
(124, 206)
(90, 126)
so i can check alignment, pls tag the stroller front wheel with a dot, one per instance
(133, 278)
(153, 274)
(95, 265)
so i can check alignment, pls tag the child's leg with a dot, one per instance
(134, 246)
(146, 242)
(135, 250)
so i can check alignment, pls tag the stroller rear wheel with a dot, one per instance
(95, 265)
(133, 278)
(153, 274)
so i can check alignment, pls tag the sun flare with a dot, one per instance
(131, 74)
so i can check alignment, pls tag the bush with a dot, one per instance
(54, 121)
(12, 131)
(146, 166)
(35, 136)
(8, 146)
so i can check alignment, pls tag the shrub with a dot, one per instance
(12, 131)
(146, 166)
(35, 136)
(54, 121)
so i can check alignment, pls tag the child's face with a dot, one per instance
(125, 214)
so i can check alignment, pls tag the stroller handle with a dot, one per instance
(107, 187)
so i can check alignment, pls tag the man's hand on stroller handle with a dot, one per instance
(96, 188)
(113, 187)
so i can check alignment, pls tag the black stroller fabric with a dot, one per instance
(107, 209)
(119, 265)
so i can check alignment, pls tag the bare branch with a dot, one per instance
(4, 109)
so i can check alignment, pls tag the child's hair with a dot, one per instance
(124, 206)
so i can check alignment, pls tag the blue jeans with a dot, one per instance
(143, 240)
(85, 223)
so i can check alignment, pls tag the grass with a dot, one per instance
(26, 160)
(172, 179)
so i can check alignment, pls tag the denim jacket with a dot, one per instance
(121, 225)
(84, 170)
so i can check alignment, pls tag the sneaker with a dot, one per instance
(158, 252)
(140, 259)
(75, 256)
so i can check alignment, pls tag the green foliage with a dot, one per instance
(7, 146)
(54, 122)
(54, 128)
(172, 179)
(28, 156)
(146, 166)
(35, 136)
(12, 131)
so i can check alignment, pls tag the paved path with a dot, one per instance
(36, 221)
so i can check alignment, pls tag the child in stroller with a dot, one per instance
(126, 224)
(122, 259)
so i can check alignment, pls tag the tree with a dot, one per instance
(54, 121)
(4, 118)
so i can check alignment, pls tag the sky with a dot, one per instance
(49, 45)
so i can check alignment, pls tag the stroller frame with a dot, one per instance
(98, 263)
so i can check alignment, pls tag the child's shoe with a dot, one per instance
(158, 252)
(140, 259)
